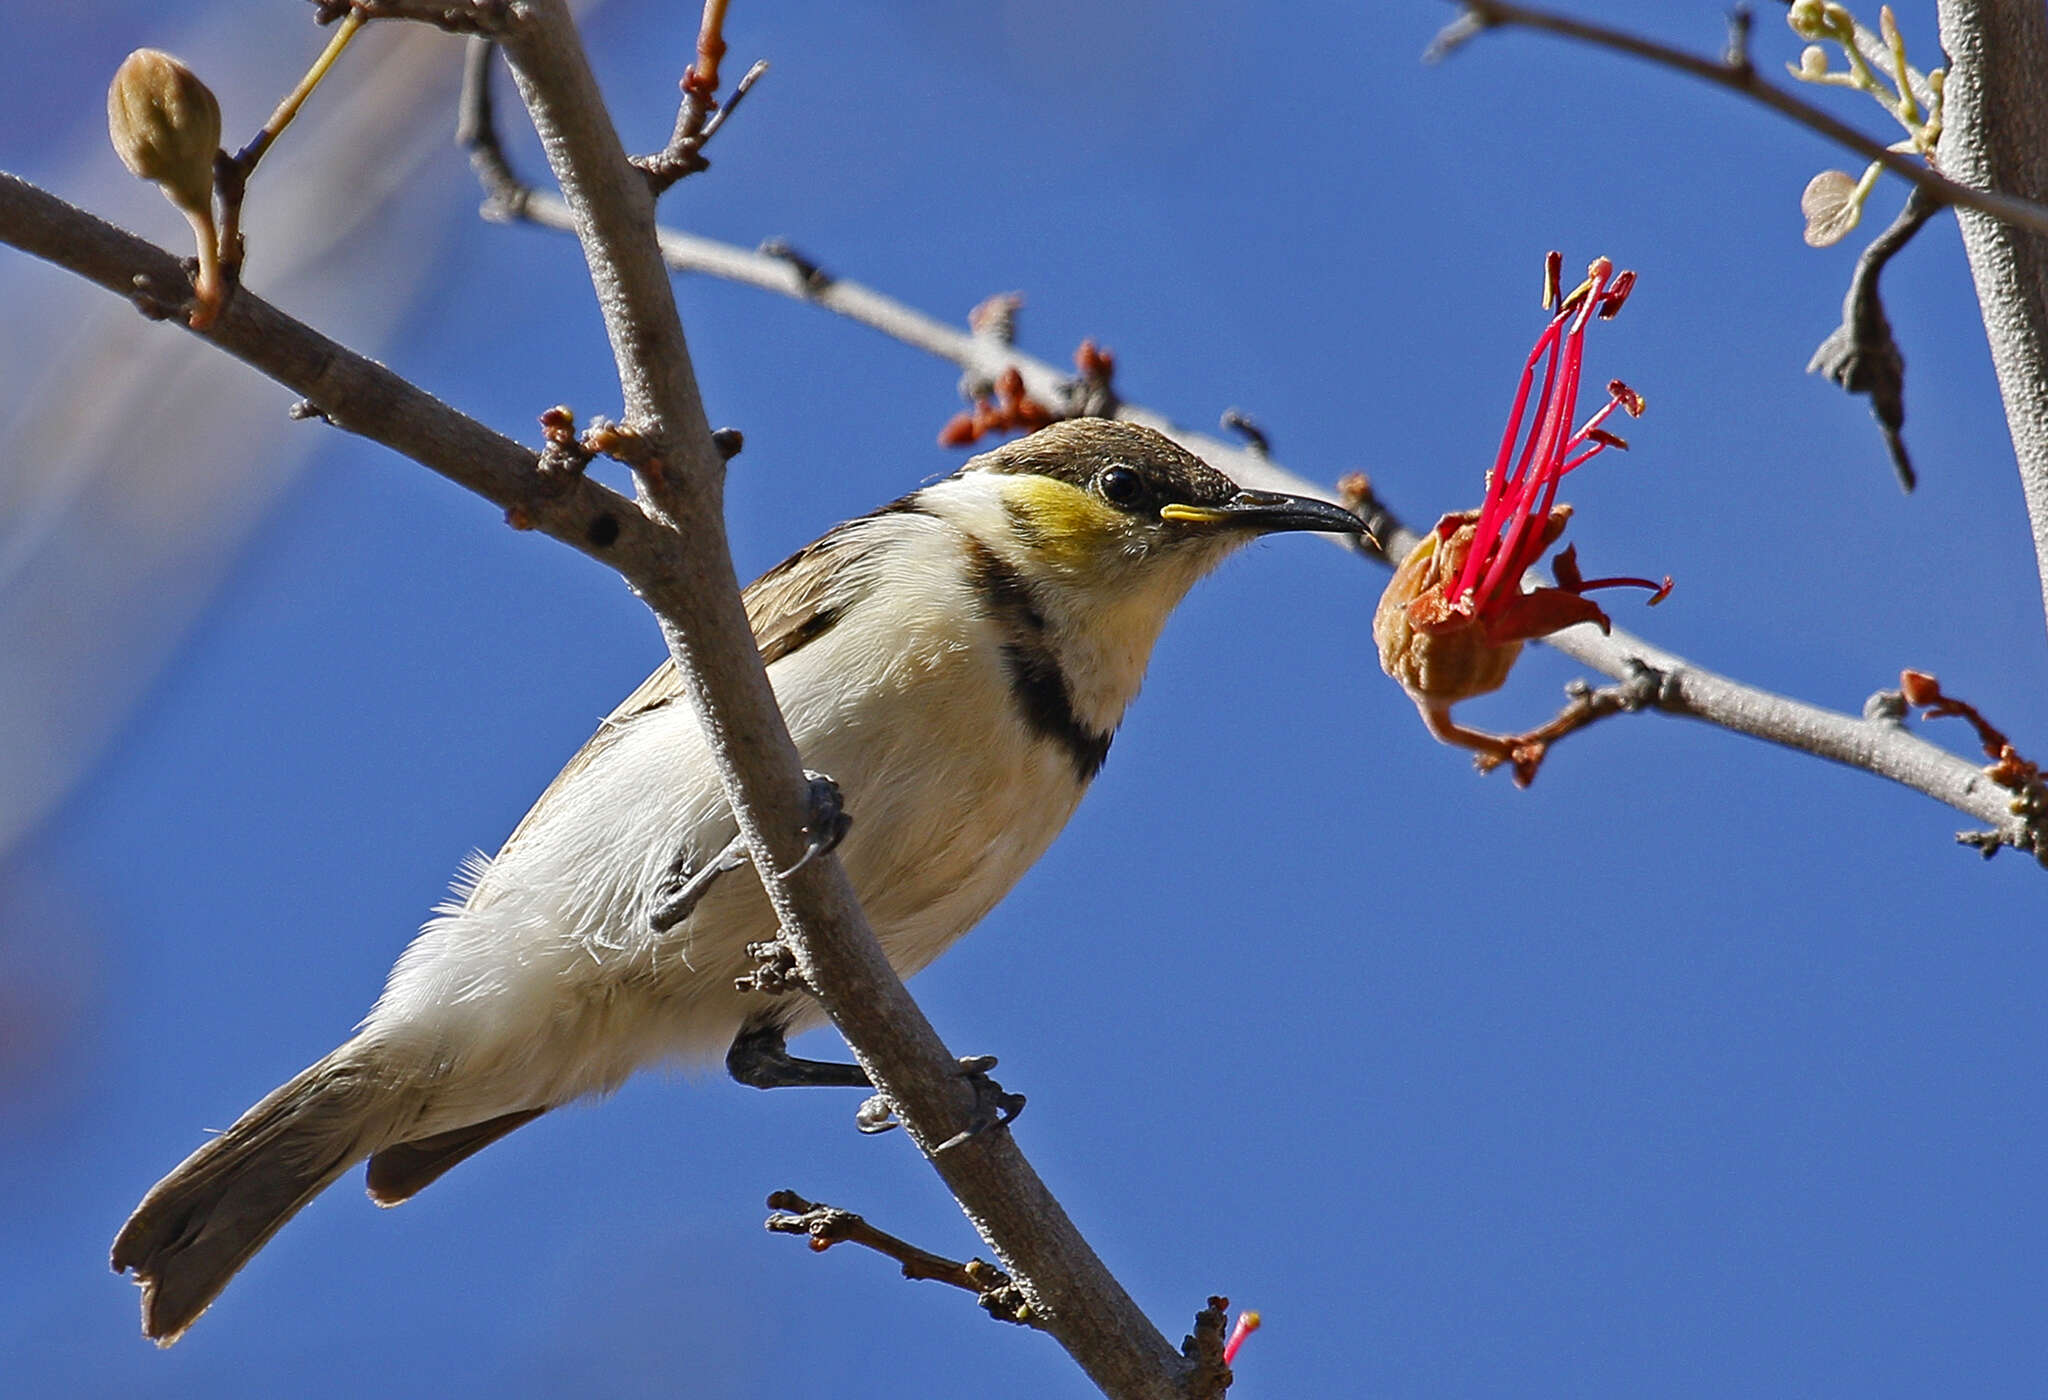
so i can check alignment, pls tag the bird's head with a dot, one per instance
(1095, 503)
(1094, 530)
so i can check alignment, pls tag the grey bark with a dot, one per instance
(1996, 137)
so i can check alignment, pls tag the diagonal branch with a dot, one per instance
(1737, 74)
(612, 207)
(1003, 1196)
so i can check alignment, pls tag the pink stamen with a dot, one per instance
(1247, 1323)
(1507, 536)
(1501, 486)
(1554, 419)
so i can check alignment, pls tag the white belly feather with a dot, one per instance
(547, 981)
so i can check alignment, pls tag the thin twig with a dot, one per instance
(249, 155)
(699, 115)
(1923, 691)
(829, 1225)
(1584, 705)
(1860, 354)
(1740, 76)
(506, 196)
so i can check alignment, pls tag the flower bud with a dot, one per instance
(1813, 62)
(1806, 19)
(165, 126)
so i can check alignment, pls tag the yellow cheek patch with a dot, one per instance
(1064, 523)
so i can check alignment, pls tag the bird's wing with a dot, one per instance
(790, 606)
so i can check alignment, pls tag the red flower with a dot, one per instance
(1455, 615)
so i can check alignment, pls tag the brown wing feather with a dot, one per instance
(400, 1172)
(790, 606)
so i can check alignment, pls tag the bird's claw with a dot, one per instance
(994, 1106)
(828, 822)
(875, 1114)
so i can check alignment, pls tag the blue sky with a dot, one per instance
(1699, 1068)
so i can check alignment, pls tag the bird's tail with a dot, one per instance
(201, 1223)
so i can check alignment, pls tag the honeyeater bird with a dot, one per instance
(955, 662)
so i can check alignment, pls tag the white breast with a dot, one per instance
(547, 981)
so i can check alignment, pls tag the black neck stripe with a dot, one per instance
(1037, 682)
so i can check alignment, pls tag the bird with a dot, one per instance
(952, 668)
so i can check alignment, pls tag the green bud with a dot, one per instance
(165, 126)
(1807, 18)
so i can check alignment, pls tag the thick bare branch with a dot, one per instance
(1996, 137)
(837, 955)
(344, 388)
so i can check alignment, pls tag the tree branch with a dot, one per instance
(1996, 135)
(1877, 745)
(830, 1225)
(612, 207)
(1004, 1198)
(671, 548)
(1739, 75)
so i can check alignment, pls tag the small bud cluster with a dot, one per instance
(1833, 200)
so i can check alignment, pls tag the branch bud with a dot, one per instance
(165, 126)
(1807, 18)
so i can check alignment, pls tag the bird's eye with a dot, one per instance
(1121, 486)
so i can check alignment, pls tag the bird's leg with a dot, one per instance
(675, 901)
(760, 1058)
(994, 1106)
(760, 1054)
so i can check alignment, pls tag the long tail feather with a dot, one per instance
(201, 1223)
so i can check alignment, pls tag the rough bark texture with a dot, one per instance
(1996, 137)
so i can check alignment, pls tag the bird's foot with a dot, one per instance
(994, 1106)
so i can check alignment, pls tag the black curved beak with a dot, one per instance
(1267, 513)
